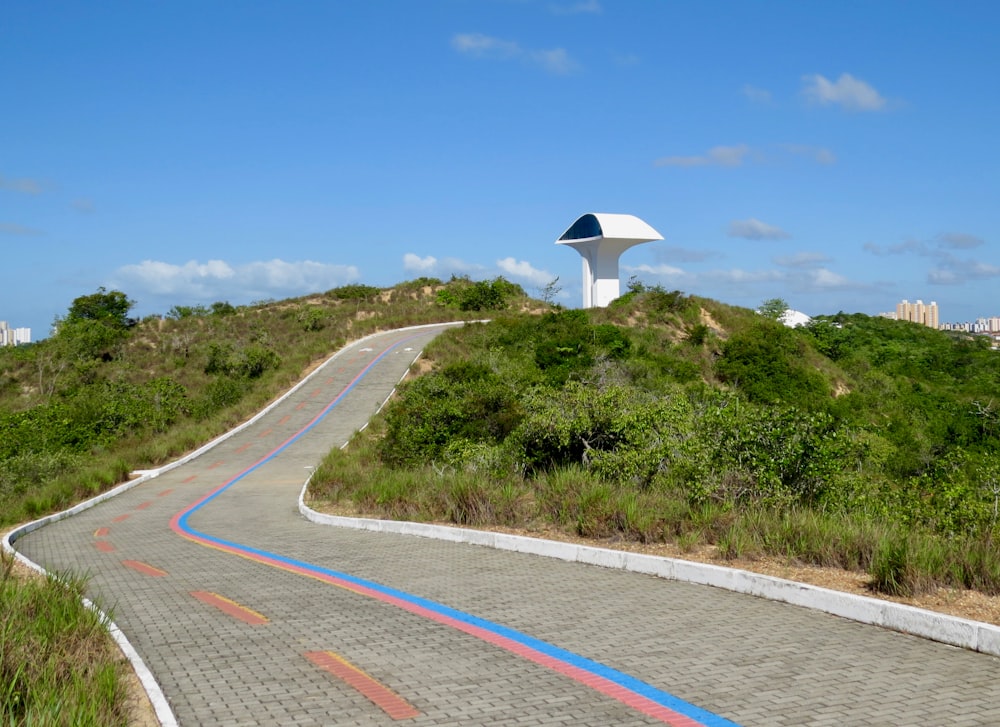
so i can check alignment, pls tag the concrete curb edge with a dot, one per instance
(946, 629)
(152, 688)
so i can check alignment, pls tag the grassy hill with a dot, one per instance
(858, 442)
(106, 394)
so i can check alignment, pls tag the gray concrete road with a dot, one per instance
(247, 614)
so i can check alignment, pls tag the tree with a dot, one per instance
(773, 308)
(95, 325)
(107, 307)
(550, 290)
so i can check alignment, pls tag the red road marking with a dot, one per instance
(383, 697)
(263, 434)
(192, 478)
(165, 493)
(118, 519)
(144, 568)
(215, 464)
(101, 532)
(330, 380)
(143, 505)
(104, 546)
(284, 419)
(300, 405)
(244, 614)
(244, 447)
(316, 392)
(340, 370)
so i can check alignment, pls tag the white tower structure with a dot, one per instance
(600, 239)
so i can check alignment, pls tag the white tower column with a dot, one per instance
(601, 239)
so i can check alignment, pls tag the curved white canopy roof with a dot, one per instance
(601, 238)
(594, 225)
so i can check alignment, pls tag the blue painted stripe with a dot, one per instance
(627, 681)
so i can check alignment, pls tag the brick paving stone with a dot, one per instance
(754, 662)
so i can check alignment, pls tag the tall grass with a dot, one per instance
(58, 665)
(574, 500)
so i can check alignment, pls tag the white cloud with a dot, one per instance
(9, 228)
(431, 265)
(218, 280)
(801, 260)
(823, 278)
(477, 45)
(818, 154)
(718, 156)
(959, 241)
(755, 94)
(555, 61)
(523, 270)
(737, 276)
(626, 59)
(953, 271)
(83, 204)
(670, 254)
(663, 270)
(24, 185)
(415, 263)
(847, 91)
(584, 7)
(907, 246)
(753, 229)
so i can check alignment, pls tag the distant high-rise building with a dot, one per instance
(13, 336)
(918, 313)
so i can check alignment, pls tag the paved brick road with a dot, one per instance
(247, 614)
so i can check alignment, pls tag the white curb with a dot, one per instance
(961, 632)
(156, 697)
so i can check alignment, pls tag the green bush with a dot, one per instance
(770, 364)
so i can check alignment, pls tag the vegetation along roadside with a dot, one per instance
(664, 422)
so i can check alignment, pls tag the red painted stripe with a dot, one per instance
(143, 505)
(244, 447)
(104, 546)
(216, 464)
(384, 698)
(284, 419)
(120, 518)
(316, 392)
(263, 434)
(300, 405)
(231, 608)
(144, 568)
(604, 686)
(101, 532)
(165, 493)
(330, 380)
(598, 683)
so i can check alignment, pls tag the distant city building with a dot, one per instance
(926, 315)
(13, 336)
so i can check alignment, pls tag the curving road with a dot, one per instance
(248, 614)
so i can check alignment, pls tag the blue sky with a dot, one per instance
(840, 155)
